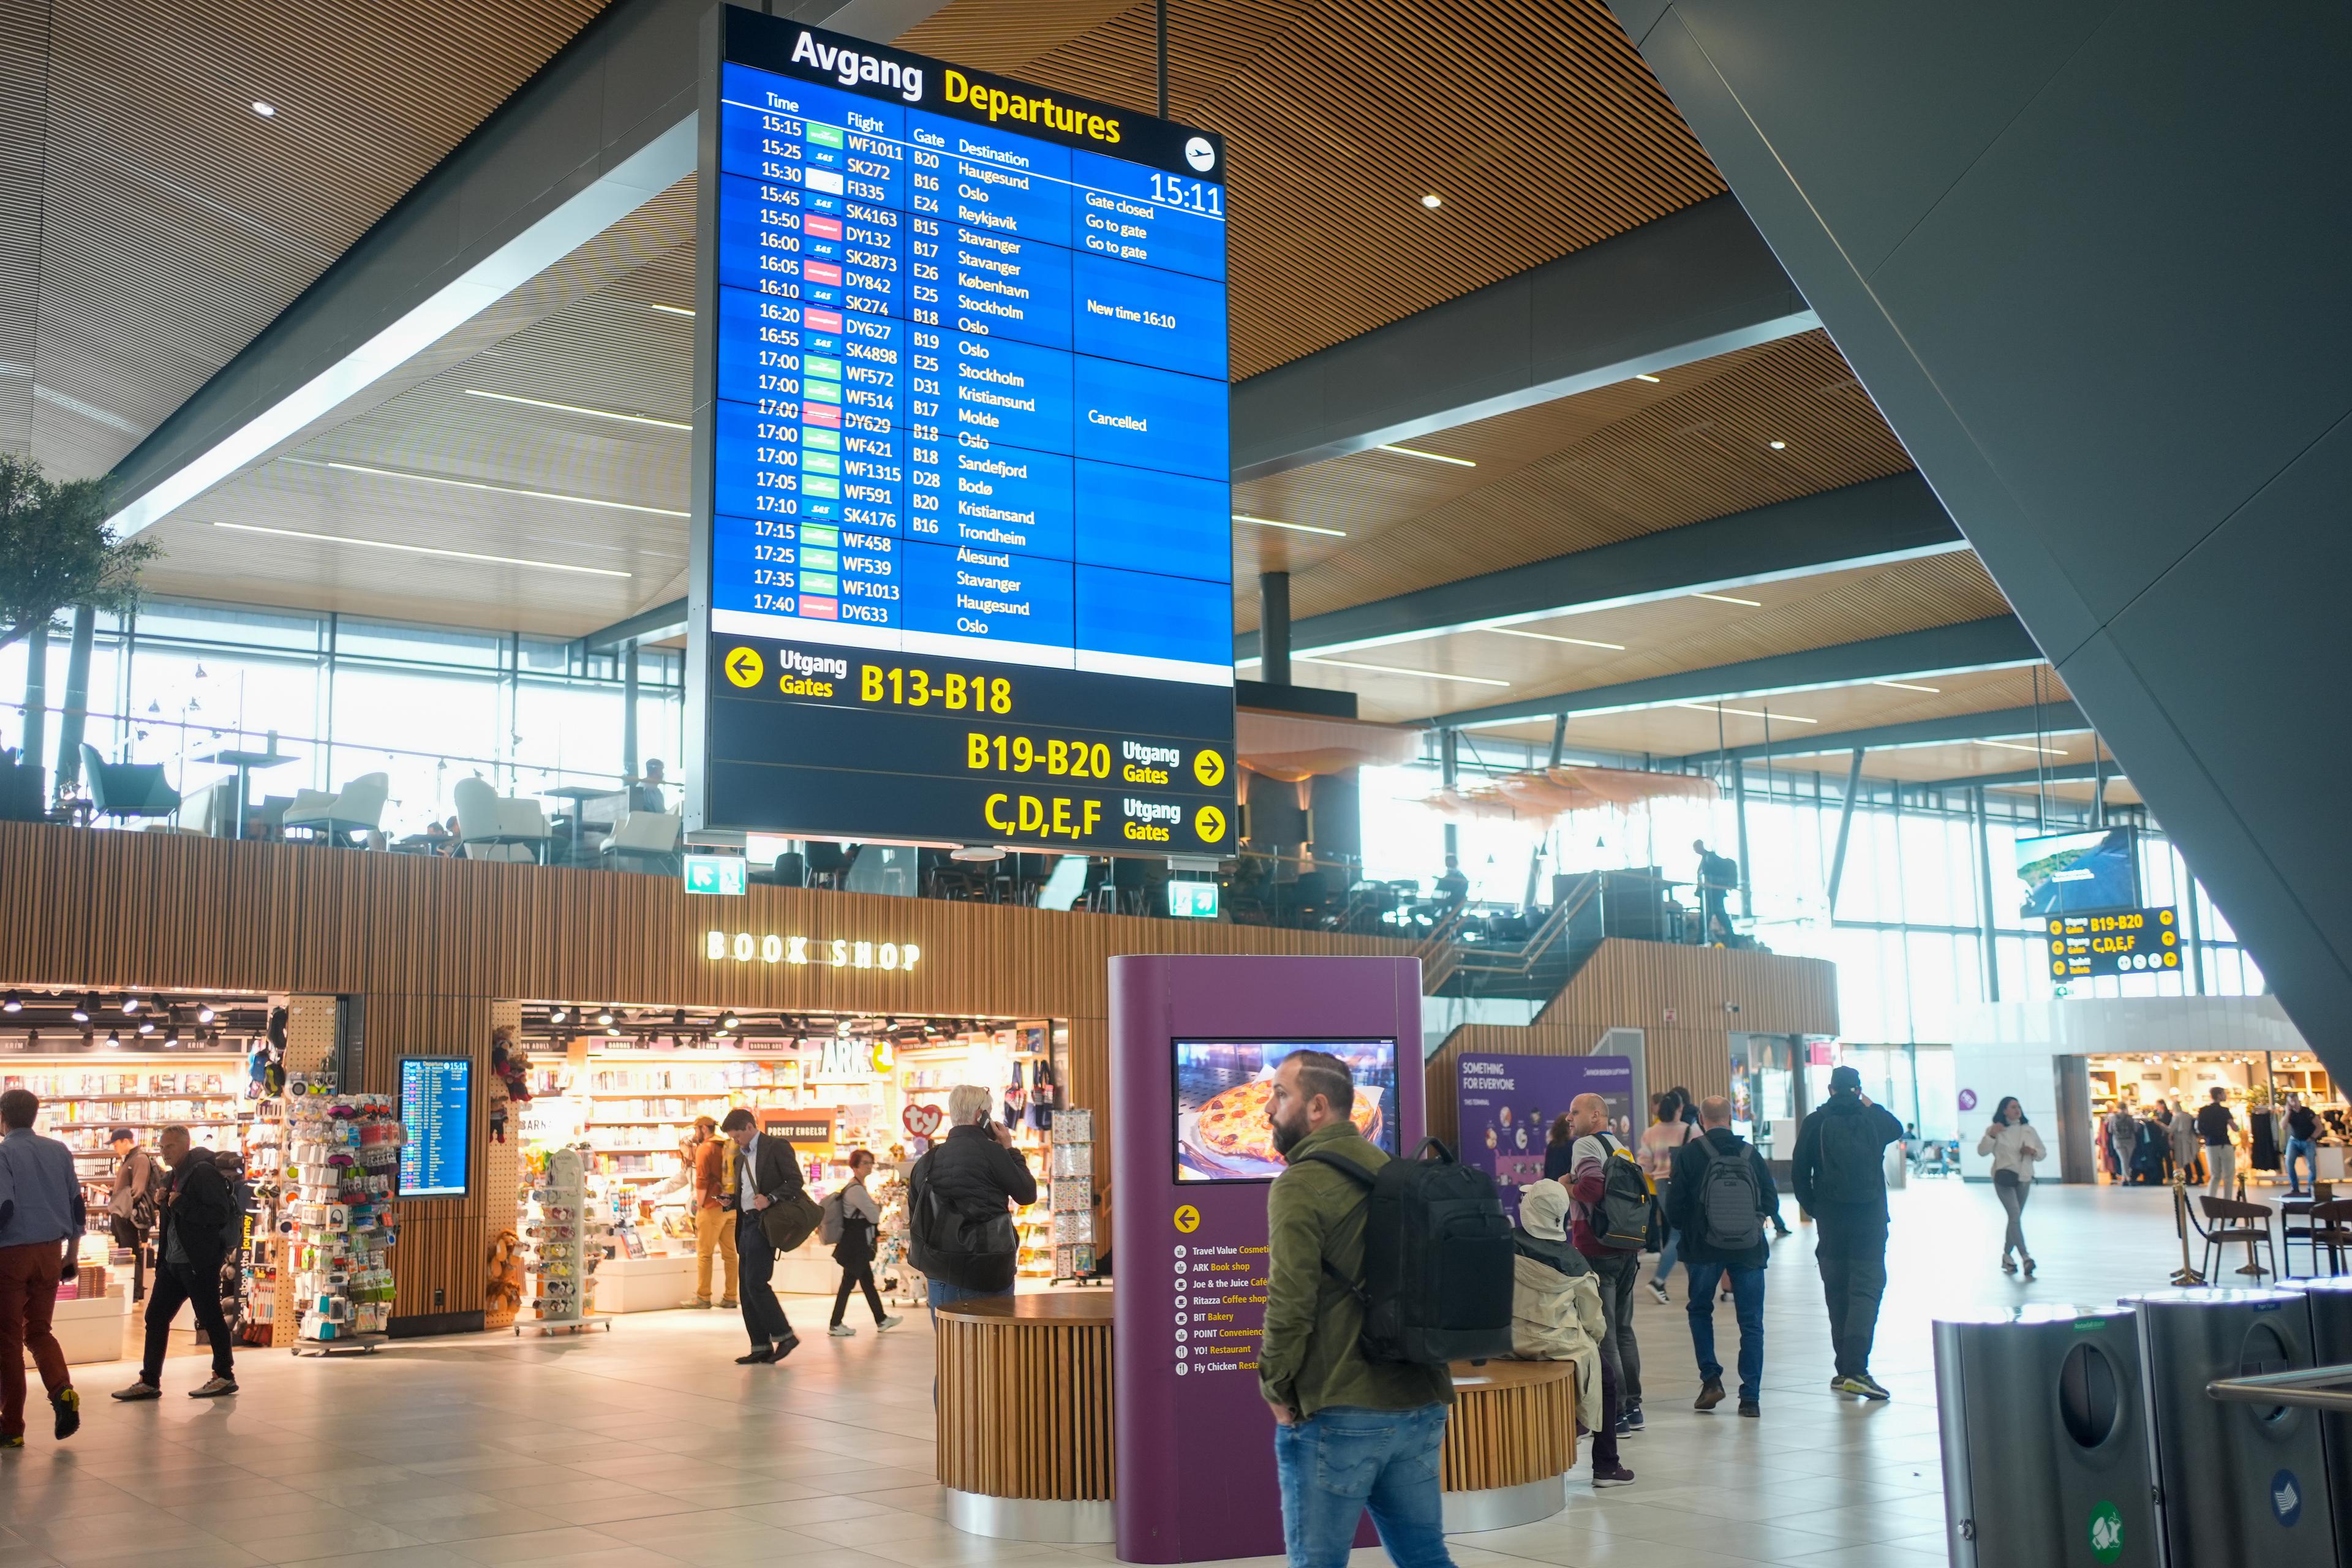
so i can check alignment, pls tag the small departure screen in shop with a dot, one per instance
(967, 536)
(437, 1095)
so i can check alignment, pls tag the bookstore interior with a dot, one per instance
(587, 1119)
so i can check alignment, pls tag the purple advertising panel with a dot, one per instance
(1508, 1104)
(1193, 1042)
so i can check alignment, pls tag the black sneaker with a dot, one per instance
(1631, 1421)
(213, 1388)
(1613, 1476)
(1710, 1395)
(786, 1346)
(1750, 1408)
(67, 1403)
(1864, 1385)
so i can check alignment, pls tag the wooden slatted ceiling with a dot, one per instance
(1534, 119)
(171, 223)
(1583, 472)
(1662, 638)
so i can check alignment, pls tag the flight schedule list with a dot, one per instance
(970, 391)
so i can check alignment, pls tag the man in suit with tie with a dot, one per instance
(767, 1171)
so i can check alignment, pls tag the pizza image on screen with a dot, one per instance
(1224, 1089)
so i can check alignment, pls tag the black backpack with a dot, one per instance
(1437, 1260)
(948, 1243)
(1626, 1215)
(1853, 1167)
(1729, 1201)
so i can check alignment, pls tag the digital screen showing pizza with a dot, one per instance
(1223, 1088)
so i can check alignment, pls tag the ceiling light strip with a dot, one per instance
(1909, 685)
(501, 489)
(423, 550)
(1393, 669)
(1728, 599)
(1432, 456)
(1294, 527)
(577, 409)
(1746, 712)
(642, 175)
(2015, 746)
(1554, 637)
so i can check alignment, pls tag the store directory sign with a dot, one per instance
(1193, 1039)
(437, 1096)
(964, 529)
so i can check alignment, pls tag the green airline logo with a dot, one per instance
(824, 135)
(2106, 1533)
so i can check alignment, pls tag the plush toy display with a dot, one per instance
(505, 1288)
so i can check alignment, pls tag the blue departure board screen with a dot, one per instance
(968, 568)
(437, 1095)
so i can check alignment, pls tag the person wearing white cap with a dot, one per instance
(1556, 1309)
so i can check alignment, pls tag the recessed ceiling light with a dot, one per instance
(1728, 599)
(1294, 527)
(670, 310)
(1748, 712)
(1651, 379)
(1432, 456)
(267, 111)
(1433, 200)
(1777, 445)
(423, 550)
(1554, 637)
(576, 408)
(1906, 686)
(1393, 669)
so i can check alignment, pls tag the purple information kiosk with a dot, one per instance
(1192, 1038)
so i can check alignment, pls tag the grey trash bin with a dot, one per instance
(2331, 1345)
(2236, 1483)
(2045, 1439)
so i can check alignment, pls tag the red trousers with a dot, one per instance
(29, 1298)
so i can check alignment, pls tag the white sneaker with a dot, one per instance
(888, 1323)
(841, 1331)
(1660, 1292)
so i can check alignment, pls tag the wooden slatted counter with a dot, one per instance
(1025, 1415)
(1509, 1443)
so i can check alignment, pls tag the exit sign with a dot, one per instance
(1193, 901)
(723, 875)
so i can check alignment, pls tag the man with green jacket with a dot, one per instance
(1350, 1434)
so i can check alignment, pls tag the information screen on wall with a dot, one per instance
(437, 1095)
(964, 529)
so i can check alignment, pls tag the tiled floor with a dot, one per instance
(647, 1448)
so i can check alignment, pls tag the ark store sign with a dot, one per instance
(832, 952)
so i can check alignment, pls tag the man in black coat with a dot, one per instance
(191, 1243)
(975, 1173)
(767, 1172)
(1840, 1174)
(1720, 1221)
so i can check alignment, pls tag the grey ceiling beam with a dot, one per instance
(1999, 724)
(1997, 642)
(1871, 523)
(1686, 286)
(602, 128)
(655, 625)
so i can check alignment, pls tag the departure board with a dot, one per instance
(437, 1096)
(966, 570)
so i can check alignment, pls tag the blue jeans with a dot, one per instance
(1747, 1305)
(2305, 1150)
(1343, 1459)
(1667, 1254)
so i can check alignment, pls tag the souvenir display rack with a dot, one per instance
(1071, 1172)
(563, 1245)
(342, 1169)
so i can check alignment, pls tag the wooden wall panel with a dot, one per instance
(1636, 985)
(433, 944)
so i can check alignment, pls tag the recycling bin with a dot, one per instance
(2330, 1301)
(2236, 1483)
(2045, 1439)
